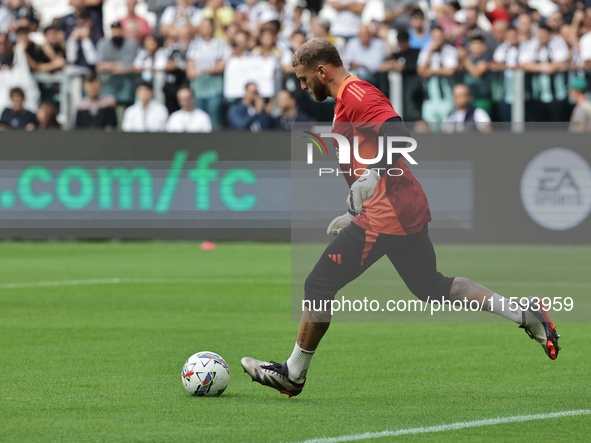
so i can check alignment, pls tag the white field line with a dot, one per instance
(147, 281)
(252, 281)
(451, 426)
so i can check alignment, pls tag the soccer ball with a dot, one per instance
(205, 374)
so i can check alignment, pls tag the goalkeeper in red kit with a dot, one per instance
(387, 215)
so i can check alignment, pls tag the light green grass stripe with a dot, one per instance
(451, 426)
(261, 281)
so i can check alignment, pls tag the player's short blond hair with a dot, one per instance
(316, 52)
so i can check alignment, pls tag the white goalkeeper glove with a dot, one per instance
(362, 189)
(338, 223)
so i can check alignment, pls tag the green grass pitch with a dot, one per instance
(100, 360)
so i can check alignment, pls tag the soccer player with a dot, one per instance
(389, 217)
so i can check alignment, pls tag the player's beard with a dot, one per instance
(319, 91)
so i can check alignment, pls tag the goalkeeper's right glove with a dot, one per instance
(338, 223)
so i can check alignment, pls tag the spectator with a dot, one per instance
(23, 14)
(321, 29)
(147, 114)
(150, 59)
(524, 27)
(585, 50)
(472, 30)
(249, 14)
(249, 113)
(419, 36)
(47, 116)
(297, 39)
(364, 54)
(446, 13)
(116, 54)
(142, 23)
(499, 30)
(573, 33)
(397, 13)
(131, 30)
(17, 117)
(555, 21)
(269, 16)
(158, 7)
(437, 63)
(49, 57)
(70, 21)
(96, 111)
(268, 45)
(580, 120)
(405, 61)
(235, 74)
(267, 56)
(299, 21)
(290, 113)
(498, 14)
(188, 118)
(567, 10)
(206, 61)
(475, 63)
(465, 117)
(178, 43)
(221, 15)
(18, 75)
(348, 17)
(5, 19)
(6, 54)
(570, 35)
(505, 61)
(81, 51)
(182, 14)
(545, 58)
(115, 57)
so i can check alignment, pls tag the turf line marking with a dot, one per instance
(451, 426)
(118, 281)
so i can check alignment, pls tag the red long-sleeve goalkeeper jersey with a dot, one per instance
(399, 205)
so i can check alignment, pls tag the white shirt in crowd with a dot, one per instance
(151, 119)
(585, 47)
(144, 61)
(174, 15)
(194, 121)
(5, 18)
(446, 57)
(455, 120)
(253, 13)
(206, 54)
(346, 23)
(555, 51)
(508, 54)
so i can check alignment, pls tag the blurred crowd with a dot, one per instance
(197, 66)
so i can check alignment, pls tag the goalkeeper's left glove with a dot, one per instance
(338, 223)
(362, 189)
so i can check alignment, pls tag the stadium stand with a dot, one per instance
(517, 58)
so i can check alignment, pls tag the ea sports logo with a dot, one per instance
(556, 189)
